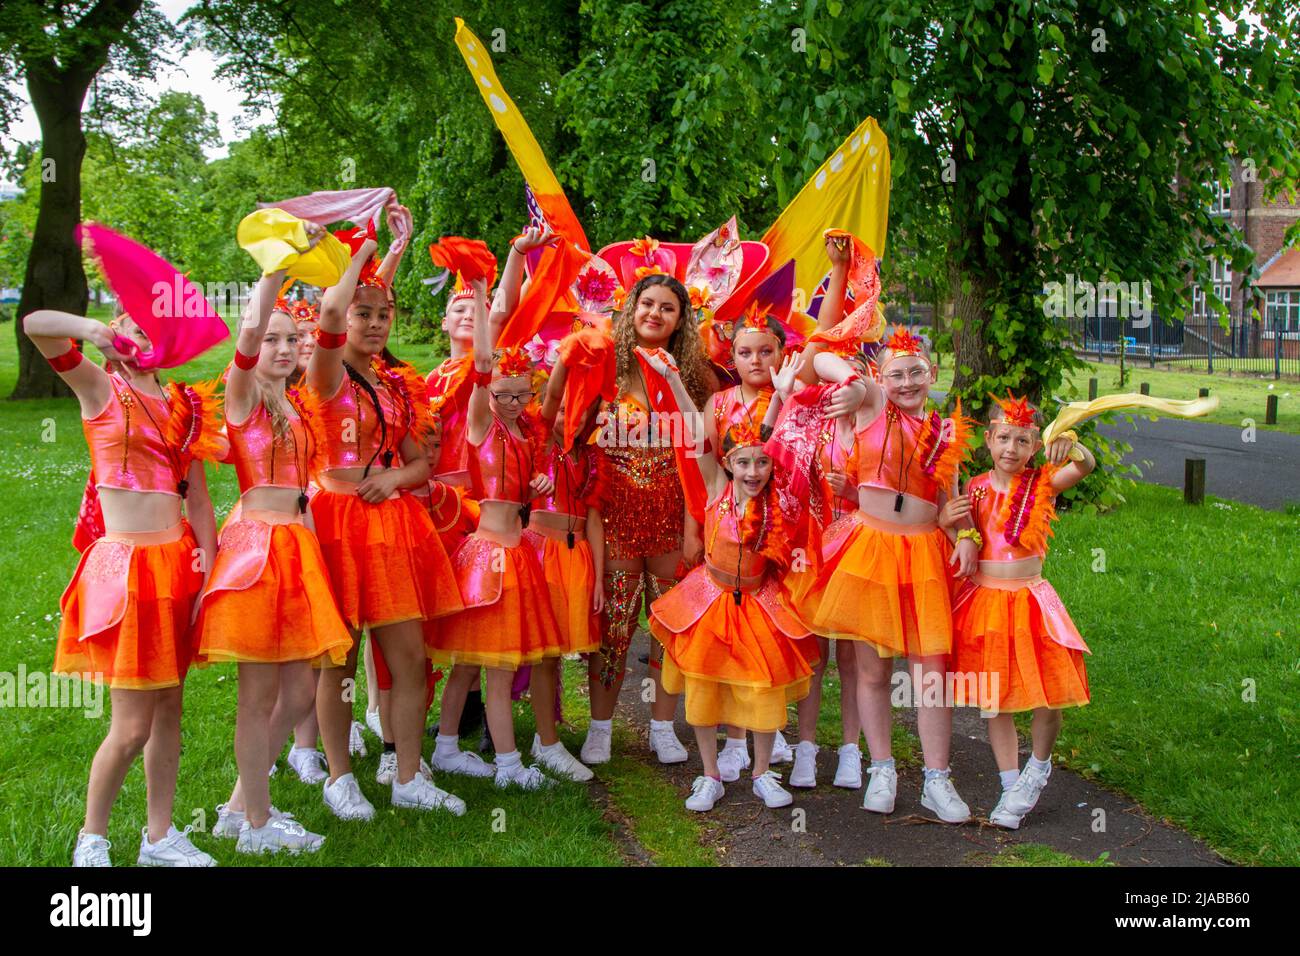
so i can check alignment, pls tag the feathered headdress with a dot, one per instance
(902, 343)
(744, 433)
(1016, 411)
(300, 310)
(513, 361)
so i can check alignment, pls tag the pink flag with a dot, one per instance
(174, 313)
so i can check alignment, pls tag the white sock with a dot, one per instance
(660, 724)
(1008, 778)
(548, 748)
(736, 743)
(1042, 766)
(510, 761)
(600, 724)
(446, 746)
(851, 749)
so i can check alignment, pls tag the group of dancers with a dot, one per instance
(759, 482)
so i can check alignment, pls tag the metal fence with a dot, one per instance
(1245, 344)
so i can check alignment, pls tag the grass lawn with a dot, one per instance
(1195, 676)
(1195, 673)
(45, 753)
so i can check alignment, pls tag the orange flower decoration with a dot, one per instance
(903, 342)
(1016, 411)
(643, 271)
(514, 361)
(700, 297)
(645, 247)
(620, 296)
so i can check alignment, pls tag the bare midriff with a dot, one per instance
(136, 511)
(879, 504)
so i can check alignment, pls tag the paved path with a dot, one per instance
(833, 829)
(1263, 472)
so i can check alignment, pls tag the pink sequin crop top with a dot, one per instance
(352, 431)
(501, 468)
(128, 447)
(260, 460)
(986, 505)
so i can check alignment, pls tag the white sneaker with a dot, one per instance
(781, 751)
(849, 772)
(666, 746)
(175, 849)
(229, 821)
(345, 799)
(356, 741)
(91, 850)
(804, 773)
(595, 749)
(373, 722)
(1024, 793)
(278, 834)
(731, 762)
(559, 761)
(309, 764)
(705, 792)
(421, 794)
(465, 763)
(527, 778)
(1002, 817)
(940, 797)
(770, 790)
(882, 791)
(387, 772)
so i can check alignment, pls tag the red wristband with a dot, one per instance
(67, 361)
(481, 378)
(330, 340)
(245, 361)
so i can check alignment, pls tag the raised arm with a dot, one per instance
(241, 384)
(397, 216)
(479, 418)
(510, 286)
(325, 369)
(839, 249)
(50, 330)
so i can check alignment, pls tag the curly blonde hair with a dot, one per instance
(684, 344)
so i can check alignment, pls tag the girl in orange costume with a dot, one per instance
(451, 384)
(508, 619)
(888, 583)
(126, 614)
(728, 641)
(1011, 631)
(386, 563)
(566, 530)
(268, 604)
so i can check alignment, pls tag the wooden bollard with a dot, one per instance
(1204, 393)
(1270, 412)
(1145, 388)
(1092, 389)
(1194, 481)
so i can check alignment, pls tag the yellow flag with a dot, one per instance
(519, 138)
(850, 191)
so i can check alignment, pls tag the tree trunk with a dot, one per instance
(55, 278)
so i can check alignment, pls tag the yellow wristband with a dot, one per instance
(973, 535)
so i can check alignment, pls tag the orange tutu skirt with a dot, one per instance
(890, 589)
(507, 620)
(386, 563)
(1016, 649)
(739, 664)
(268, 599)
(570, 579)
(126, 612)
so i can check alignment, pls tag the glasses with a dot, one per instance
(513, 398)
(918, 374)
